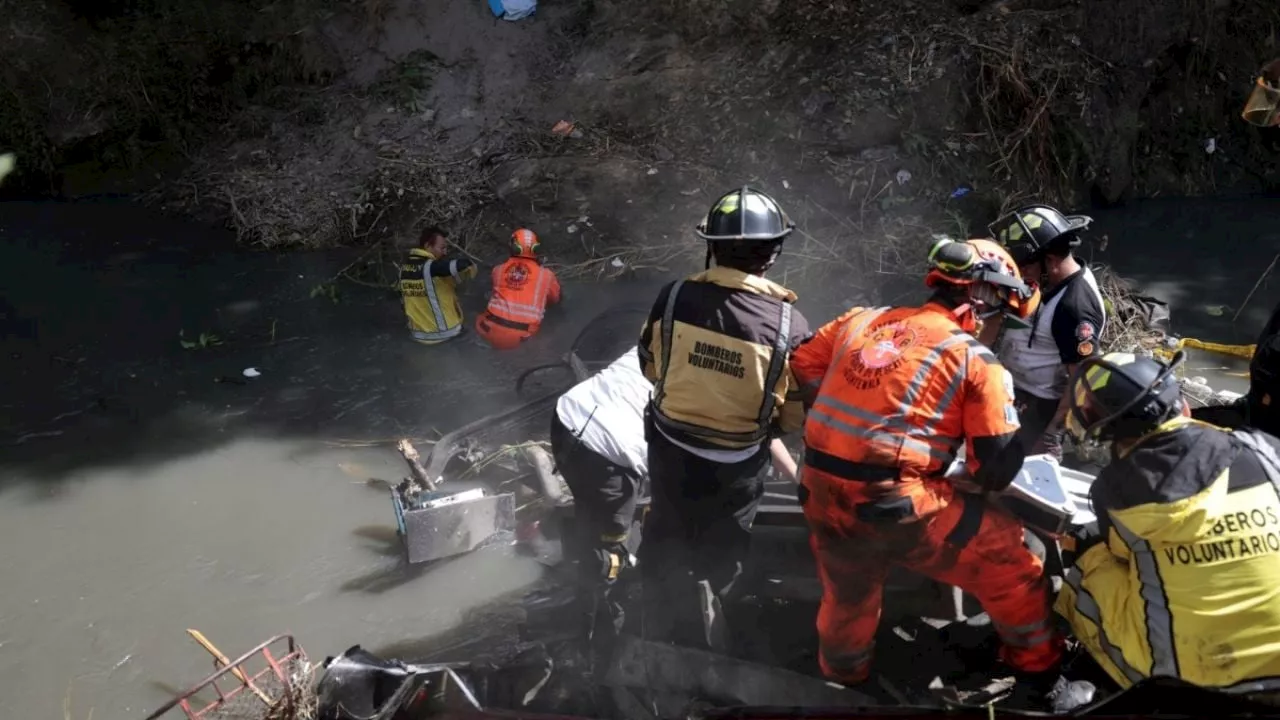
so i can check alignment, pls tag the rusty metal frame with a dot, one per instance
(275, 665)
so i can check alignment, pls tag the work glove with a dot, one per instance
(611, 559)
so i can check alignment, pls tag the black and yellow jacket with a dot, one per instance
(1185, 580)
(428, 286)
(716, 346)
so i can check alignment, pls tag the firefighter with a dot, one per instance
(1179, 576)
(893, 394)
(429, 288)
(597, 441)
(522, 289)
(716, 346)
(1041, 352)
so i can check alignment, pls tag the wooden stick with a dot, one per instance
(414, 461)
(217, 655)
(1249, 297)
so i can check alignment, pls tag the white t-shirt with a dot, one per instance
(606, 411)
(1064, 331)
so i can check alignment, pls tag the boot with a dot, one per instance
(1050, 691)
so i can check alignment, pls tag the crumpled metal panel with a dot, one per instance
(440, 532)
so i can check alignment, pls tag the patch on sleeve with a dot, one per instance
(1007, 381)
(1011, 416)
(1085, 332)
(1085, 349)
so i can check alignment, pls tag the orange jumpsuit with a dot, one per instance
(897, 393)
(521, 290)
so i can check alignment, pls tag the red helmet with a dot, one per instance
(987, 272)
(524, 243)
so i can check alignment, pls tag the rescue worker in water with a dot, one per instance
(1178, 578)
(522, 289)
(429, 288)
(892, 395)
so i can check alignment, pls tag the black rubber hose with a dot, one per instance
(577, 341)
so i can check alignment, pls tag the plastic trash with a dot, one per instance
(513, 9)
(251, 372)
(961, 192)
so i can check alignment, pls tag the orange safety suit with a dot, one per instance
(521, 290)
(895, 394)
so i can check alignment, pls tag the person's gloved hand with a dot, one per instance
(1075, 543)
(611, 559)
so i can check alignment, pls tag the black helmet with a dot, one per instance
(745, 215)
(1121, 395)
(1029, 231)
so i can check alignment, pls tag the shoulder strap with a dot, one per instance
(668, 323)
(777, 362)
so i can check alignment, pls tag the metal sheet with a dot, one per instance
(441, 532)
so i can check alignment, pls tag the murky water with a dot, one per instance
(146, 488)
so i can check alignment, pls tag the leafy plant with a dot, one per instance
(203, 342)
(404, 83)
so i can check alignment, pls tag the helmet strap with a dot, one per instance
(966, 316)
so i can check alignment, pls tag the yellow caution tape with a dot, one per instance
(1242, 351)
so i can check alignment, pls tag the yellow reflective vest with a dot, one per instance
(431, 300)
(1185, 582)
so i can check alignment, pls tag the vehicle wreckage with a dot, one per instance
(490, 484)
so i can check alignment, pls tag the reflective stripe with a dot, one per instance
(1164, 656)
(532, 313)
(1088, 607)
(777, 362)
(668, 315)
(927, 434)
(1025, 636)
(453, 269)
(851, 331)
(434, 301)
(848, 660)
(891, 439)
(922, 375)
(435, 336)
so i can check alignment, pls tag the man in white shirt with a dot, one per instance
(1066, 328)
(597, 441)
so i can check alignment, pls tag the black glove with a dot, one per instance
(611, 559)
(1080, 540)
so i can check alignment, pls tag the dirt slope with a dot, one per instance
(877, 122)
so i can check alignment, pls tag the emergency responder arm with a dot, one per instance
(994, 454)
(554, 292)
(459, 269)
(1075, 327)
(812, 357)
(649, 349)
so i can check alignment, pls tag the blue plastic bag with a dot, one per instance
(513, 9)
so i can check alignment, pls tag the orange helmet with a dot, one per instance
(988, 273)
(524, 243)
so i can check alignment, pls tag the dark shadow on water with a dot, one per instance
(96, 296)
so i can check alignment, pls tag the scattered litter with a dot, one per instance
(251, 372)
(571, 229)
(562, 128)
(786, 185)
(961, 192)
(617, 262)
(653, 171)
(513, 9)
(585, 220)
(1216, 310)
(903, 177)
(1210, 145)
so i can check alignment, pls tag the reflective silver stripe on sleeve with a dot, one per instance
(668, 315)
(432, 299)
(1164, 656)
(1088, 607)
(777, 363)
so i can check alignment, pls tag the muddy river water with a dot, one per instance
(147, 488)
